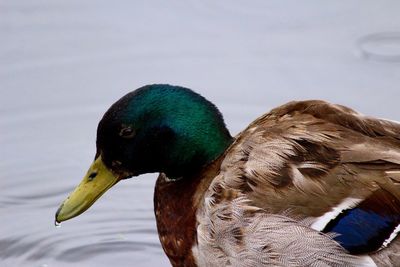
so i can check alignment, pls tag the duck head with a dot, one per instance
(156, 128)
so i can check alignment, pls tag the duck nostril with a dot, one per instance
(92, 176)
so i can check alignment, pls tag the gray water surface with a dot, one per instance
(63, 63)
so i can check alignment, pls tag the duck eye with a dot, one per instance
(116, 163)
(127, 132)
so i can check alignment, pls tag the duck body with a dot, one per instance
(266, 201)
(307, 184)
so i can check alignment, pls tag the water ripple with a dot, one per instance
(381, 46)
(83, 252)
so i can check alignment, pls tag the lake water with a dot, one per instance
(63, 63)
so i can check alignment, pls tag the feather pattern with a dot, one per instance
(367, 226)
(287, 170)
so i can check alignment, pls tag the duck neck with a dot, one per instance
(175, 204)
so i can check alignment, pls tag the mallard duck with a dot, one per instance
(307, 184)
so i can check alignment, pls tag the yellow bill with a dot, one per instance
(95, 183)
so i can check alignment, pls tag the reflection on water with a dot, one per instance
(63, 63)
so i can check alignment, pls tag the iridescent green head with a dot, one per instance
(161, 128)
(157, 128)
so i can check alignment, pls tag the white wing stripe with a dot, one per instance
(348, 203)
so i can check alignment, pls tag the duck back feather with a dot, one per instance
(308, 184)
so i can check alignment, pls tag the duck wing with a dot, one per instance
(322, 171)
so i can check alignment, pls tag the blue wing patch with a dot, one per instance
(365, 228)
